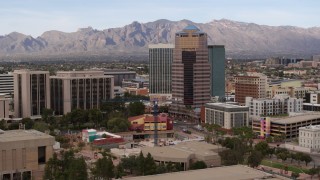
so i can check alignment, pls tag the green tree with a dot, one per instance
(150, 165)
(135, 109)
(52, 169)
(198, 165)
(118, 124)
(13, 126)
(313, 171)
(262, 147)
(103, 169)
(161, 168)
(271, 151)
(299, 157)
(119, 171)
(3, 125)
(245, 133)
(140, 168)
(306, 158)
(282, 156)
(41, 126)
(77, 169)
(95, 116)
(269, 139)
(255, 158)
(47, 116)
(115, 105)
(27, 122)
(231, 157)
(129, 163)
(67, 167)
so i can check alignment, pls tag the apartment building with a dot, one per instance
(279, 105)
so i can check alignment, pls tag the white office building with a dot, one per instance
(309, 137)
(160, 61)
(226, 115)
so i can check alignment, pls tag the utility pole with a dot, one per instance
(155, 115)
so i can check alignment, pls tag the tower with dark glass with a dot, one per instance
(190, 71)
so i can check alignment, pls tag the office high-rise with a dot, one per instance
(6, 84)
(253, 85)
(160, 61)
(190, 70)
(31, 92)
(217, 63)
(79, 90)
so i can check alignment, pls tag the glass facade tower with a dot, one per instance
(217, 63)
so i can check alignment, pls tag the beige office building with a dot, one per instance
(31, 92)
(23, 153)
(79, 90)
(5, 106)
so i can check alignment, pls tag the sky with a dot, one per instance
(33, 17)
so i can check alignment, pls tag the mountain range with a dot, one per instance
(242, 40)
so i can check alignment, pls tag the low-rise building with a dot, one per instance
(137, 91)
(226, 115)
(119, 75)
(287, 126)
(186, 153)
(312, 101)
(309, 137)
(297, 92)
(295, 72)
(146, 122)
(235, 172)
(278, 105)
(24, 153)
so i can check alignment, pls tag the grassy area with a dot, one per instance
(281, 166)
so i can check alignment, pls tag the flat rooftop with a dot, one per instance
(296, 119)
(22, 135)
(183, 150)
(227, 107)
(310, 128)
(236, 172)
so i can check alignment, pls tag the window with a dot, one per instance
(42, 155)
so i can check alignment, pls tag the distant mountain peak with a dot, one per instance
(241, 39)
